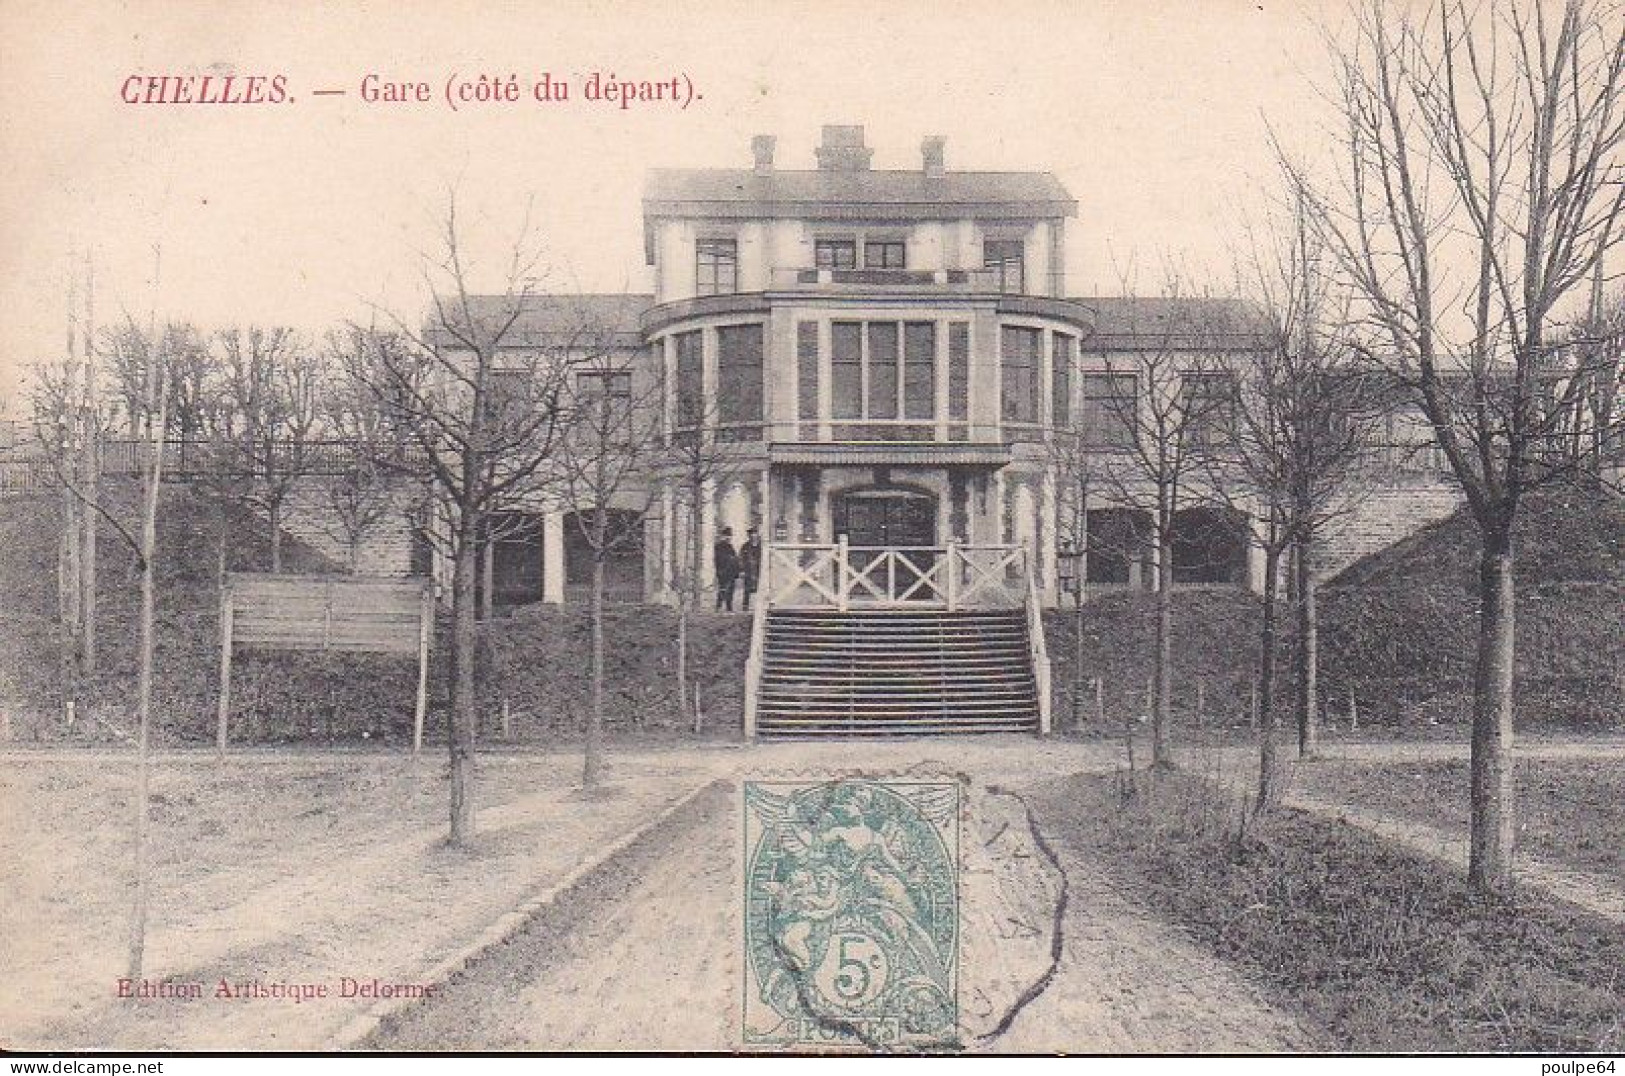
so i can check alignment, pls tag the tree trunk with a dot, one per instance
(1162, 673)
(459, 738)
(590, 763)
(87, 546)
(1269, 783)
(1490, 857)
(143, 781)
(1307, 657)
(682, 658)
(276, 538)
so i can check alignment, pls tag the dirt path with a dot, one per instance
(648, 957)
(1129, 983)
(1447, 846)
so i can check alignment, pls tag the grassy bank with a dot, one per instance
(1375, 949)
(1571, 812)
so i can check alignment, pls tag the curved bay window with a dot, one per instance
(739, 382)
(883, 378)
(1019, 366)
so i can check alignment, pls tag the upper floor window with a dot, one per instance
(509, 396)
(1003, 257)
(1019, 367)
(1107, 417)
(835, 253)
(883, 369)
(1065, 358)
(884, 254)
(615, 385)
(716, 270)
(1209, 404)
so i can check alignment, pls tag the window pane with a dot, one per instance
(1003, 256)
(846, 369)
(739, 374)
(1019, 370)
(836, 253)
(883, 254)
(1107, 418)
(882, 369)
(920, 369)
(716, 269)
(958, 371)
(690, 380)
(807, 368)
(1066, 354)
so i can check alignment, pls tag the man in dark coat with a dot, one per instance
(725, 560)
(750, 564)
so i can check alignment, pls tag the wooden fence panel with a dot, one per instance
(345, 613)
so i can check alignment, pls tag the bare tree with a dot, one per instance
(484, 413)
(697, 464)
(1164, 400)
(1297, 453)
(366, 488)
(1480, 184)
(271, 395)
(606, 460)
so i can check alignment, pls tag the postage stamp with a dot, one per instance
(851, 914)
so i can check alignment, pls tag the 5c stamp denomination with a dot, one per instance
(852, 914)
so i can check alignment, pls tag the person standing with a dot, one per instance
(750, 564)
(725, 560)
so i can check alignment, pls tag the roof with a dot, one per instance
(1134, 323)
(832, 194)
(818, 187)
(555, 320)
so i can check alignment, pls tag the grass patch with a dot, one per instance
(1376, 949)
(1570, 812)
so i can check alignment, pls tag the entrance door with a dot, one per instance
(876, 519)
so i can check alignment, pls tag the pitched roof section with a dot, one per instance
(558, 320)
(736, 192)
(1133, 323)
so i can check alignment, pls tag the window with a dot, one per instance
(1208, 400)
(717, 269)
(739, 374)
(846, 369)
(616, 384)
(835, 253)
(882, 369)
(1003, 257)
(920, 369)
(690, 380)
(508, 396)
(1060, 397)
(884, 254)
(1019, 374)
(1107, 417)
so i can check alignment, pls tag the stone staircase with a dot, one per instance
(895, 672)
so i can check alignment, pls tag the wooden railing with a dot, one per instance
(834, 575)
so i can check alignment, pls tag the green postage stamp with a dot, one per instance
(851, 917)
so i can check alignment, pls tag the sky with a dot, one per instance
(317, 210)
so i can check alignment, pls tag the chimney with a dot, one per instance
(931, 156)
(761, 147)
(843, 149)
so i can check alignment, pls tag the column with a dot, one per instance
(553, 557)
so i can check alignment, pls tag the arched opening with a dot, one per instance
(1210, 546)
(623, 559)
(1119, 547)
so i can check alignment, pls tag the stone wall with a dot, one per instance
(386, 549)
(1382, 517)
